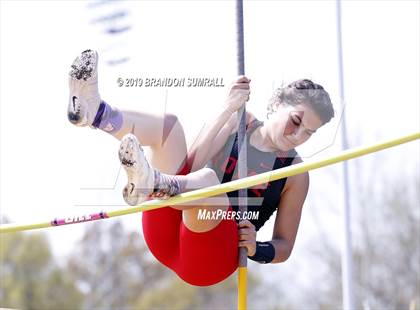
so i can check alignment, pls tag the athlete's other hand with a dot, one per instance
(238, 94)
(247, 236)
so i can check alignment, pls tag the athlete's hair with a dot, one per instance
(303, 92)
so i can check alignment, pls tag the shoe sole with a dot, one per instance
(131, 157)
(82, 68)
(84, 65)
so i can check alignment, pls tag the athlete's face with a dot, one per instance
(290, 126)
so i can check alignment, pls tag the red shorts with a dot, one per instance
(198, 258)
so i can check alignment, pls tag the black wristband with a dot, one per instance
(264, 253)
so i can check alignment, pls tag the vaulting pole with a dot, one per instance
(242, 158)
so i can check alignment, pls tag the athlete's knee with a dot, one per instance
(169, 122)
(210, 176)
(170, 119)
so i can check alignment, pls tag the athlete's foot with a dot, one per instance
(84, 95)
(139, 172)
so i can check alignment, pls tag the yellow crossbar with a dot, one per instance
(237, 184)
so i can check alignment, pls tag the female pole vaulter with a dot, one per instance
(200, 247)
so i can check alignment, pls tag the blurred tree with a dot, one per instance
(116, 270)
(386, 249)
(113, 267)
(30, 279)
(178, 295)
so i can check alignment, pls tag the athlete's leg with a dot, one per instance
(204, 177)
(144, 182)
(163, 133)
(200, 254)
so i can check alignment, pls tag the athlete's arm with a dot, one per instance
(288, 215)
(216, 132)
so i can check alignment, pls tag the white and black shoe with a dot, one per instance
(84, 98)
(139, 172)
